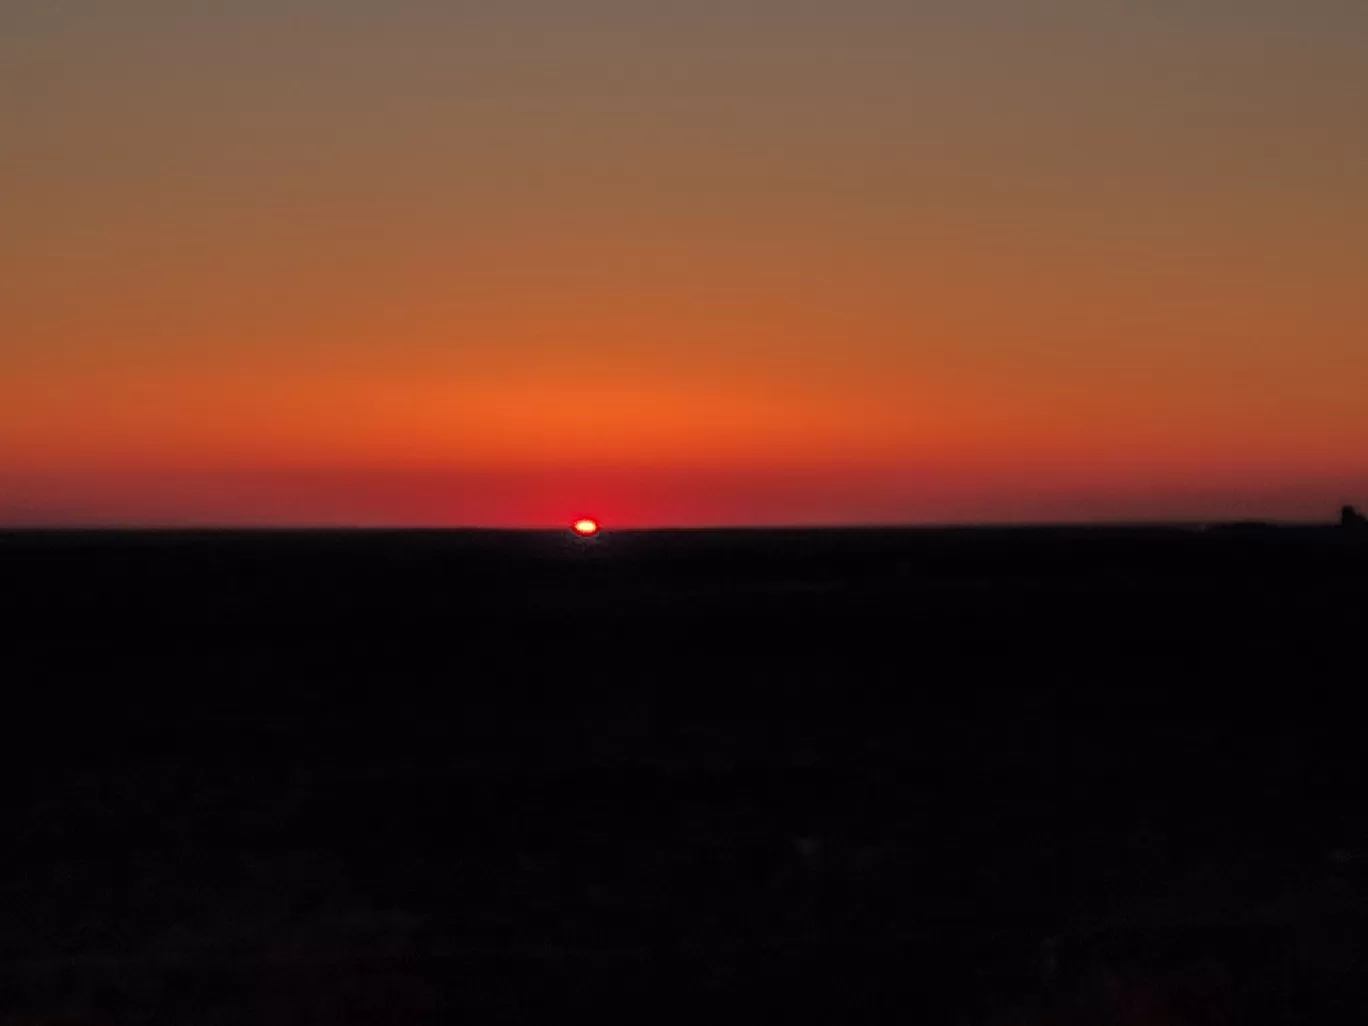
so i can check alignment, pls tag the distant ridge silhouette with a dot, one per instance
(1352, 520)
(1242, 526)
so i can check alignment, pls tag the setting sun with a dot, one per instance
(585, 527)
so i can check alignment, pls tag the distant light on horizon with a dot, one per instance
(585, 527)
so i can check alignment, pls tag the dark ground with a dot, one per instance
(980, 776)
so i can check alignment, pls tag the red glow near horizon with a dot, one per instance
(585, 527)
(689, 311)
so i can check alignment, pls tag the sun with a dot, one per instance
(585, 527)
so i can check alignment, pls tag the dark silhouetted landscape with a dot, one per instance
(979, 776)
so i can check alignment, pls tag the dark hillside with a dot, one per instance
(1063, 775)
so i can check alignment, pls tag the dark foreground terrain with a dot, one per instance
(980, 776)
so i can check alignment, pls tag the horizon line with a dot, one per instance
(607, 530)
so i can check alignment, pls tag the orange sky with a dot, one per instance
(363, 263)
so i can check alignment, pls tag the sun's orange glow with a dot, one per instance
(586, 528)
(691, 310)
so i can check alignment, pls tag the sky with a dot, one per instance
(338, 262)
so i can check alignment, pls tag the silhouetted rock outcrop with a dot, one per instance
(1352, 520)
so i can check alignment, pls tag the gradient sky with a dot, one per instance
(411, 262)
